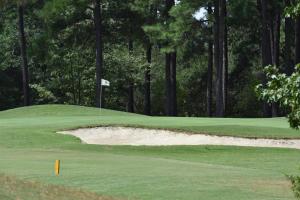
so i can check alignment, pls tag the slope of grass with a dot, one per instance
(59, 110)
(29, 145)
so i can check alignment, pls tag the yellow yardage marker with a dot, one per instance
(57, 167)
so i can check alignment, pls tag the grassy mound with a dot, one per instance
(59, 110)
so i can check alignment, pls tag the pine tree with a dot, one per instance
(99, 51)
(266, 47)
(219, 35)
(289, 42)
(209, 91)
(23, 50)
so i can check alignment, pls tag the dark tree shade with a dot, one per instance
(130, 105)
(289, 40)
(297, 41)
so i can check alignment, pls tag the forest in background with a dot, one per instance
(162, 57)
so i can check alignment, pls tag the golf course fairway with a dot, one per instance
(30, 144)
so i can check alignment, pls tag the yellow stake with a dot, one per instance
(57, 167)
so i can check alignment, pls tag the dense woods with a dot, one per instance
(162, 57)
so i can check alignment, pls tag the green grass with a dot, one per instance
(29, 145)
(13, 188)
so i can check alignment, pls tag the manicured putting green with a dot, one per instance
(29, 146)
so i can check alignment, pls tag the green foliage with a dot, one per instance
(293, 10)
(122, 68)
(44, 95)
(9, 41)
(284, 90)
(61, 53)
(295, 185)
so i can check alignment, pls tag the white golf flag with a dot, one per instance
(105, 82)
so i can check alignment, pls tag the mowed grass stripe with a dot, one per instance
(148, 177)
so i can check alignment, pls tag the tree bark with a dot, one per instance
(173, 84)
(168, 83)
(276, 49)
(289, 40)
(217, 48)
(225, 75)
(171, 95)
(23, 49)
(219, 55)
(147, 84)
(147, 103)
(266, 49)
(79, 88)
(130, 104)
(209, 70)
(297, 41)
(99, 50)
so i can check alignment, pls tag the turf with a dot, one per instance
(29, 146)
(13, 188)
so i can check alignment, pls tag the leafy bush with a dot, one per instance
(284, 90)
(43, 94)
(295, 185)
(293, 10)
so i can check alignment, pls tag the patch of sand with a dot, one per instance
(152, 137)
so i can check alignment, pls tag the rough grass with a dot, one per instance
(16, 189)
(29, 145)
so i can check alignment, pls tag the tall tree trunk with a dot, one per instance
(277, 23)
(73, 83)
(79, 87)
(99, 50)
(219, 55)
(297, 41)
(276, 50)
(266, 48)
(209, 71)
(23, 48)
(171, 96)
(289, 40)
(147, 82)
(173, 84)
(168, 83)
(217, 47)
(130, 104)
(147, 103)
(225, 70)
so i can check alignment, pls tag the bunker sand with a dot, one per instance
(153, 137)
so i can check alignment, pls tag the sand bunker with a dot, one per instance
(151, 137)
